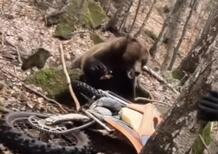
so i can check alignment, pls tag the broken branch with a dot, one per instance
(36, 92)
(68, 78)
(159, 78)
(45, 97)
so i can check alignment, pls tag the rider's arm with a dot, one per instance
(208, 107)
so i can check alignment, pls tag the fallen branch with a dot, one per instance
(159, 78)
(68, 78)
(45, 97)
(36, 92)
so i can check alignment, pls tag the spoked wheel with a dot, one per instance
(20, 135)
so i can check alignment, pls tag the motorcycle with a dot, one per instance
(42, 133)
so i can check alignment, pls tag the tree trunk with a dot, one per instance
(136, 14)
(118, 17)
(190, 62)
(173, 30)
(123, 24)
(195, 26)
(168, 25)
(176, 50)
(146, 18)
(181, 127)
(153, 50)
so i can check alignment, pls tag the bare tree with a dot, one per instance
(153, 50)
(190, 62)
(181, 127)
(118, 18)
(123, 23)
(136, 14)
(173, 29)
(176, 49)
(174, 10)
(195, 27)
(146, 18)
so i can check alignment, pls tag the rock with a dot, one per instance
(52, 80)
(89, 14)
(38, 59)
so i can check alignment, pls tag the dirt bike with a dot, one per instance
(73, 133)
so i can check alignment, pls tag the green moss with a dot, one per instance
(198, 146)
(52, 80)
(89, 14)
(64, 30)
(95, 14)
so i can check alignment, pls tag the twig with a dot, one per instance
(204, 143)
(68, 78)
(159, 78)
(45, 97)
(151, 100)
(18, 55)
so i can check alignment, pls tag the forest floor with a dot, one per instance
(22, 29)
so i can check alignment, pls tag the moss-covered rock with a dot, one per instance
(52, 81)
(64, 31)
(94, 15)
(87, 13)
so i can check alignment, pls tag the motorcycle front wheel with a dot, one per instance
(20, 136)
